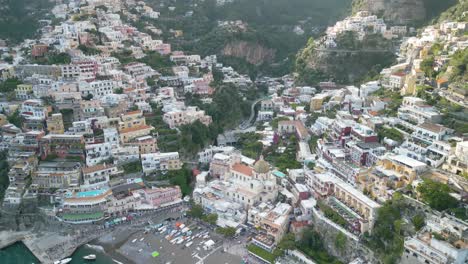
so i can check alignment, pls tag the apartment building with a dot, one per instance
(56, 175)
(272, 220)
(416, 111)
(62, 145)
(97, 176)
(55, 124)
(160, 162)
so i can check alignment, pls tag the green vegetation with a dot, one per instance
(181, 178)
(436, 195)
(153, 59)
(312, 245)
(9, 85)
(459, 62)
(285, 160)
(196, 211)
(226, 231)
(261, 253)
(270, 26)
(19, 18)
(354, 61)
(332, 214)
(132, 167)
(396, 99)
(52, 58)
(454, 116)
(4, 168)
(250, 145)
(455, 13)
(287, 242)
(340, 241)
(418, 221)
(390, 133)
(390, 228)
(89, 50)
(211, 219)
(16, 119)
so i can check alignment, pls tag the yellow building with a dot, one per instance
(317, 101)
(3, 120)
(404, 169)
(128, 134)
(55, 124)
(24, 91)
(132, 119)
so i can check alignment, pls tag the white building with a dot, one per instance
(160, 162)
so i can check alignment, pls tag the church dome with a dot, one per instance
(261, 166)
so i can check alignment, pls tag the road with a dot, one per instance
(351, 51)
(246, 124)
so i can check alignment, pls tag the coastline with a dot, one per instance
(112, 241)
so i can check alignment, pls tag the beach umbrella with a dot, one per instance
(155, 254)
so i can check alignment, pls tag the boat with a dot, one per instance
(65, 261)
(90, 257)
(133, 241)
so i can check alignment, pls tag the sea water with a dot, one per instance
(18, 253)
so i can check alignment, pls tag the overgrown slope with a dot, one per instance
(19, 18)
(413, 12)
(269, 38)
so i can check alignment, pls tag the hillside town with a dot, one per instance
(101, 119)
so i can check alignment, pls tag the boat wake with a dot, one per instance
(96, 247)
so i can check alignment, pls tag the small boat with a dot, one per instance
(90, 257)
(65, 261)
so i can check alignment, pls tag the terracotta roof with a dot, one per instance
(442, 80)
(94, 168)
(432, 127)
(401, 74)
(299, 224)
(133, 112)
(246, 170)
(135, 128)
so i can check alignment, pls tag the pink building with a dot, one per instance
(163, 49)
(158, 197)
(88, 69)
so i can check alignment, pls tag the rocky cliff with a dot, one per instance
(253, 53)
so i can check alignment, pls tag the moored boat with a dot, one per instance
(90, 257)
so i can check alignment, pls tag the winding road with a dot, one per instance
(244, 125)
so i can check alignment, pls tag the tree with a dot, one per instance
(196, 211)
(427, 66)
(9, 85)
(340, 241)
(386, 239)
(211, 219)
(16, 119)
(226, 231)
(288, 242)
(4, 168)
(418, 221)
(181, 178)
(436, 195)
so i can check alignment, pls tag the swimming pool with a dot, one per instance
(91, 193)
